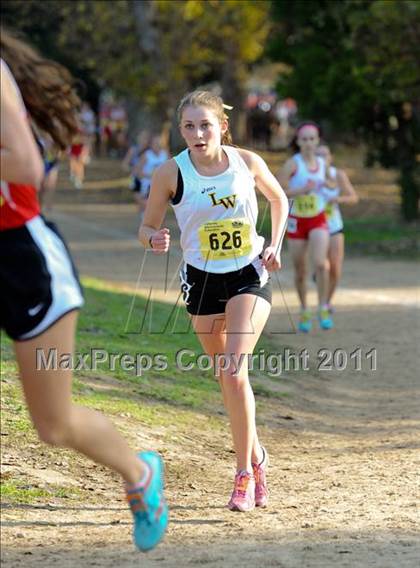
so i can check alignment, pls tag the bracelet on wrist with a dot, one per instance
(150, 241)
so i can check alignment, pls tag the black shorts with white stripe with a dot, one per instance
(207, 293)
(38, 281)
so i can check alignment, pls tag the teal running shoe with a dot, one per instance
(325, 319)
(148, 505)
(305, 322)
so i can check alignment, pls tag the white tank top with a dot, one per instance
(152, 161)
(313, 203)
(332, 210)
(217, 215)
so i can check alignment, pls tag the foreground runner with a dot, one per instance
(40, 291)
(225, 278)
(341, 191)
(303, 177)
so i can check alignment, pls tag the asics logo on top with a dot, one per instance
(227, 202)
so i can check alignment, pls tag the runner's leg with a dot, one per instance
(336, 257)
(298, 249)
(318, 247)
(60, 422)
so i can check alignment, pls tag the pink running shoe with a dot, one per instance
(261, 491)
(243, 496)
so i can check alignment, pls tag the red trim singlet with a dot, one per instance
(18, 204)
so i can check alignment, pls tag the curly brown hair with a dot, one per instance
(47, 89)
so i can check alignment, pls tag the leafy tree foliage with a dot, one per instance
(151, 51)
(354, 63)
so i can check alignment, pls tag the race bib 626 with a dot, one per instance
(227, 238)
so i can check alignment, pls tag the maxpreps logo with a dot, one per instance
(227, 202)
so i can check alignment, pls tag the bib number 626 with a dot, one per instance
(225, 240)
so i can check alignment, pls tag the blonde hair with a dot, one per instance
(208, 100)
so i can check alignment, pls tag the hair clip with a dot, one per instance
(227, 107)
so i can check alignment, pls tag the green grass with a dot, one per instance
(383, 235)
(103, 325)
(14, 416)
(173, 400)
(125, 403)
(20, 492)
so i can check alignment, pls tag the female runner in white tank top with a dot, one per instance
(303, 177)
(337, 190)
(153, 157)
(225, 277)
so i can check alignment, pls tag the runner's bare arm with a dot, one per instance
(138, 168)
(163, 188)
(347, 192)
(125, 164)
(268, 185)
(284, 176)
(21, 161)
(330, 181)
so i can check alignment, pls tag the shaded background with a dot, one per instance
(350, 65)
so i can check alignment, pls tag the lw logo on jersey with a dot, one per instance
(227, 202)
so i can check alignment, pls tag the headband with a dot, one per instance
(305, 124)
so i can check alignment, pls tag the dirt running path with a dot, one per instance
(343, 445)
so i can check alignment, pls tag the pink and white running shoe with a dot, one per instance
(260, 470)
(243, 496)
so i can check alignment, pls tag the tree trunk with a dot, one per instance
(148, 35)
(233, 93)
(408, 147)
(410, 193)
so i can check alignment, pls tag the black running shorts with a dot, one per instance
(38, 281)
(207, 293)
